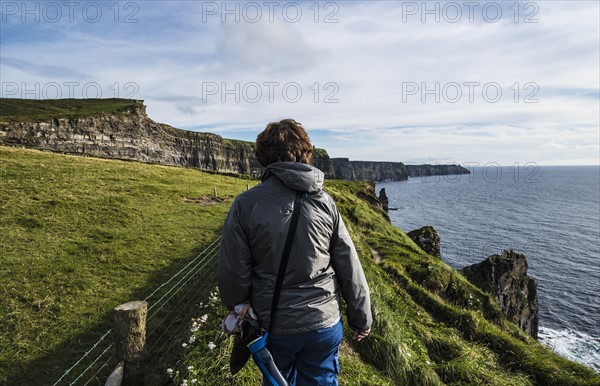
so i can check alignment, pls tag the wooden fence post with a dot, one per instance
(130, 328)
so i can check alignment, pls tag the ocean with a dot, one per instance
(549, 213)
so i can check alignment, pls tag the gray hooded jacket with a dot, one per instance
(323, 261)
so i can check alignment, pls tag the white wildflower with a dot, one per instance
(203, 318)
(170, 373)
(190, 368)
(192, 339)
(184, 345)
(211, 345)
(194, 380)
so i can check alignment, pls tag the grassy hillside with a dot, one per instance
(42, 110)
(431, 326)
(81, 235)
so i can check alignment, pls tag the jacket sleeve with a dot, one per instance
(351, 277)
(234, 272)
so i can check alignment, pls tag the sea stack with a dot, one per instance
(383, 198)
(505, 277)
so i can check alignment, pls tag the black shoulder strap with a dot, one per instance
(286, 254)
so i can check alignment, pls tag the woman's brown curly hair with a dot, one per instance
(283, 141)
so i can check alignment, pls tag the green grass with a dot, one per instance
(82, 235)
(16, 110)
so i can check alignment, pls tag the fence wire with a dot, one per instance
(171, 307)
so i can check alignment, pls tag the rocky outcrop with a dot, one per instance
(129, 134)
(368, 170)
(505, 277)
(427, 239)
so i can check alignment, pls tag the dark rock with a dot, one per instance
(383, 198)
(505, 278)
(427, 239)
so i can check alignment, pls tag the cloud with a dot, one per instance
(266, 48)
(364, 60)
(552, 145)
(44, 70)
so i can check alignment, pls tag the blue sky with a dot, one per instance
(505, 82)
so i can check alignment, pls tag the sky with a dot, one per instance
(502, 82)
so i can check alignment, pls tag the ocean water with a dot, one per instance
(549, 213)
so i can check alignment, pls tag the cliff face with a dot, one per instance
(129, 134)
(368, 170)
(505, 278)
(389, 171)
(121, 129)
(427, 170)
(322, 161)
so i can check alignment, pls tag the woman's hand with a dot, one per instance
(359, 335)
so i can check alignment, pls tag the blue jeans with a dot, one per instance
(309, 358)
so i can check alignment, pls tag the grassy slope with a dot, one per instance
(80, 235)
(431, 327)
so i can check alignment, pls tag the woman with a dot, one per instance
(323, 263)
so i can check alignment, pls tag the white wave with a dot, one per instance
(573, 345)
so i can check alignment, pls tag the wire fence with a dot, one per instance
(171, 307)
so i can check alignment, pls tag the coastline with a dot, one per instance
(519, 220)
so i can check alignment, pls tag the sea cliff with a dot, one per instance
(346, 169)
(121, 129)
(369, 170)
(126, 132)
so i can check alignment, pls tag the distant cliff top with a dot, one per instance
(14, 110)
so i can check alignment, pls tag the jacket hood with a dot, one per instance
(296, 175)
